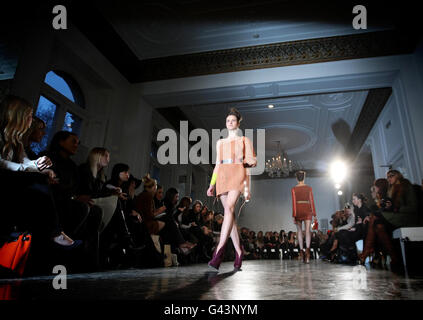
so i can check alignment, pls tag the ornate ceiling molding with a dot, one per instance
(312, 137)
(363, 45)
(290, 53)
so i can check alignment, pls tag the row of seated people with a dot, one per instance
(397, 204)
(274, 245)
(57, 201)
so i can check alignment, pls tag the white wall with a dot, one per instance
(270, 208)
(396, 136)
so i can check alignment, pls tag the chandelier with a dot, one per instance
(280, 166)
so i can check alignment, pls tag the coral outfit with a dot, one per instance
(303, 203)
(231, 157)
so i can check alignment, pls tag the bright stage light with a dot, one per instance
(337, 186)
(338, 171)
(340, 193)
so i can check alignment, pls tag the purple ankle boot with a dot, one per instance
(238, 260)
(217, 258)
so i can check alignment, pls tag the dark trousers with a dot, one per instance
(349, 238)
(170, 232)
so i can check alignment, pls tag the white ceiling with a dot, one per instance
(302, 124)
(161, 29)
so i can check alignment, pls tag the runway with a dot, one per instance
(259, 280)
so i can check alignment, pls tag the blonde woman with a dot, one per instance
(230, 176)
(15, 120)
(30, 194)
(92, 176)
(34, 135)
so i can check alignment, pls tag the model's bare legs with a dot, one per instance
(229, 226)
(299, 225)
(235, 238)
(308, 232)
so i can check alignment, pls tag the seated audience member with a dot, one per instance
(252, 244)
(292, 244)
(37, 213)
(207, 220)
(275, 240)
(260, 243)
(204, 210)
(181, 216)
(400, 207)
(34, 135)
(191, 217)
(144, 204)
(341, 231)
(346, 236)
(118, 224)
(244, 236)
(79, 219)
(315, 244)
(158, 201)
(217, 227)
(92, 177)
(150, 257)
(170, 201)
(379, 229)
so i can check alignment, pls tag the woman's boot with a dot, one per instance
(307, 255)
(301, 256)
(369, 242)
(238, 260)
(217, 258)
(386, 242)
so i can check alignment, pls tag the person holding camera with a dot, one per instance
(379, 229)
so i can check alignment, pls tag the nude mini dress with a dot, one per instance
(231, 156)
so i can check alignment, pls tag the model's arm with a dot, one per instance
(216, 167)
(250, 155)
(313, 208)
(294, 203)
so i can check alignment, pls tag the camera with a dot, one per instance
(383, 202)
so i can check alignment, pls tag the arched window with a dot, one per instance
(61, 106)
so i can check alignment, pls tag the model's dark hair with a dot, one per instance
(235, 112)
(300, 175)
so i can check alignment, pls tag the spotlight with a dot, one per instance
(337, 186)
(270, 106)
(340, 193)
(338, 171)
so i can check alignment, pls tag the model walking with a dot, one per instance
(303, 209)
(231, 177)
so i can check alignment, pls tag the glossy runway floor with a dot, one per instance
(259, 279)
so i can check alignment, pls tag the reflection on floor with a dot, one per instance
(259, 279)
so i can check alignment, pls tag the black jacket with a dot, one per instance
(88, 185)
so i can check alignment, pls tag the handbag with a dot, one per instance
(14, 252)
(315, 225)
